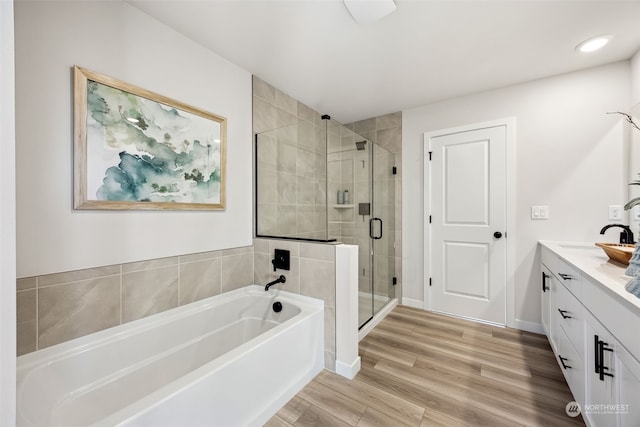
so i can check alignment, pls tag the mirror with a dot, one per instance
(634, 165)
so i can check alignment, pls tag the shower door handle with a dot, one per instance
(379, 236)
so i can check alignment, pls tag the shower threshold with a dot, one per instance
(377, 318)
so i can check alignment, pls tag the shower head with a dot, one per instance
(360, 145)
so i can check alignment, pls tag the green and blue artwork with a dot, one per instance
(140, 150)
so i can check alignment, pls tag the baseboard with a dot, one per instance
(348, 371)
(415, 303)
(529, 326)
(518, 324)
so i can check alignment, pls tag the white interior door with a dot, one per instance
(467, 229)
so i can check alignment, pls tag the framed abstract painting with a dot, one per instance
(135, 149)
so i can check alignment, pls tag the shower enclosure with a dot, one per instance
(321, 181)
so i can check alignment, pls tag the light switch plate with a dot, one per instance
(539, 212)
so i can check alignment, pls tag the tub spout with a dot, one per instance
(280, 279)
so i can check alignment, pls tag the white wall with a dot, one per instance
(115, 39)
(635, 79)
(7, 221)
(570, 155)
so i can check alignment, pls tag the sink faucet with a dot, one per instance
(280, 279)
(626, 236)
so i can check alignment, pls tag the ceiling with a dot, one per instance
(425, 51)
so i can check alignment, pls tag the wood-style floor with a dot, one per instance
(423, 369)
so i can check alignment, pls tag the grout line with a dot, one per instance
(76, 281)
(220, 278)
(37, 314)
(179, 283)
(121, 296)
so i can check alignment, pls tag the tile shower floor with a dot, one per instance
(364, 306)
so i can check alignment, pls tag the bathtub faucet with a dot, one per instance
(280, 279)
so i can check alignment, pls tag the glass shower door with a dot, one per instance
(377, 236)
(361, 208)
(349, 181)
(362, 229)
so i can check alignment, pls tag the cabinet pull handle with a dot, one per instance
(545, 288)
(565, 276)
(564, 316)
(564, 365)
(596, 353)
(602, 348)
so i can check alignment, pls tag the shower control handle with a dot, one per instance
(379, 236)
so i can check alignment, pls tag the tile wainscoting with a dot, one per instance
(58, 307)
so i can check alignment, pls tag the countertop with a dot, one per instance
(593, 262)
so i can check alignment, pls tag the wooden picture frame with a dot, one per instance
(135, 149)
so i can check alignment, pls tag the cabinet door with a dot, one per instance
(570, 316)
(601, 375)
(569, 277)
(545, 292)
(628, 380)
(572, 366)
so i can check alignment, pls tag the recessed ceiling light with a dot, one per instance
(594, 43)
(366, 11)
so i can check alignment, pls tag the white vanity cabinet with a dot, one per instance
(564, 315)
(570, 316)
(593, 326)
(613, 376)
(570, 351)
(573, 367)
(628, 388)
(613, 380)
(601, 374)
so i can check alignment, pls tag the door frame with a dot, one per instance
(7, 217)
(510, 125)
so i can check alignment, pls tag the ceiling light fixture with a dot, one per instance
(594, 43)
(367, 11)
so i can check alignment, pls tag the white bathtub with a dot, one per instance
(229, 360)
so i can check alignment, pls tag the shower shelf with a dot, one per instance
(343, 206)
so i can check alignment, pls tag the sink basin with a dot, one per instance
(619, 252)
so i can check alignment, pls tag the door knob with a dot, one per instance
(497, 234)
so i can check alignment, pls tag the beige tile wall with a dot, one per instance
(350, 170)
(58, 307)
(289, 177)
(291, 165)
(312, 274)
